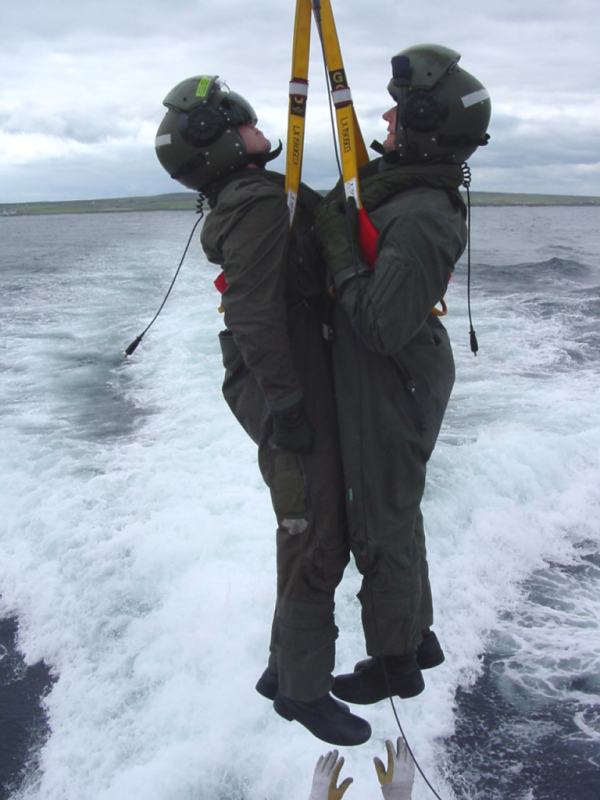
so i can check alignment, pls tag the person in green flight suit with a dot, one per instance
(278, 381)
(393, 362)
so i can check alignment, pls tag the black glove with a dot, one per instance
(337, 229)
(292, 430)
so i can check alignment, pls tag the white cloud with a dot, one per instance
(28, 148)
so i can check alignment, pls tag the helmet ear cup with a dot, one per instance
(202, 126)
(423, 112)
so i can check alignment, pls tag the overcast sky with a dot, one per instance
(82, 82)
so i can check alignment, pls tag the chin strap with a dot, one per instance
(262, 159)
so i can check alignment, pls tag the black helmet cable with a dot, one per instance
(466, 182)
(199, 210)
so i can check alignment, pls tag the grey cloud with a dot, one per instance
(69, 20)
(85, 130)
(90, 71)
(537, 143)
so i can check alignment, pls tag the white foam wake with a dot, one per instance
(138, 547)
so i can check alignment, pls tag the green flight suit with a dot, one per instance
(274, 354)
(394, 373)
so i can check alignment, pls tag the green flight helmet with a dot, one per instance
(198, 140)
(443, 110)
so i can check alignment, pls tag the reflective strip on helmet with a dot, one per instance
(204, 85)
(475, 97)
(163, 139)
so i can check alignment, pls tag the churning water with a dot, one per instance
(137, 547)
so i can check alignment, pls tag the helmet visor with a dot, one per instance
(236, 109)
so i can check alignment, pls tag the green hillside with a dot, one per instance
(186, 201)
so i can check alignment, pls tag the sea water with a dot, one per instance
(137, 538)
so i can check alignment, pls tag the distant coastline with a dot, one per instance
(186, 201)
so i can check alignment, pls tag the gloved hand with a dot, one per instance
(292, 430)
(325, 778)
(337, 229)
(397, 781)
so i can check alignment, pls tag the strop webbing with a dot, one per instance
(298, 93)
(351, 145)
(353, 153)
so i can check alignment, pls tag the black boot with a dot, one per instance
(326, 719)
(372, 683)
(429, 653)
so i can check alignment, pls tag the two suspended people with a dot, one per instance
(344, 421)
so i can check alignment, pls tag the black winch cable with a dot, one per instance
(133, 346)
(400, 728)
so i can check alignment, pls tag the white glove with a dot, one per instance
(325, 778)
(397, 781)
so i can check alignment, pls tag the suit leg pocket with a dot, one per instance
(289, 492)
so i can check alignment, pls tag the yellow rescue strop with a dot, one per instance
(352, 150)
(351, 145)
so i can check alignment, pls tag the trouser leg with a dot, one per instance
(312, 537)
(384, 472)
(307, 496)
(303, 633)
(396, 594)
(310, 561)
(312, 553)
(391, 557)
(391, 592)
(388, 432)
